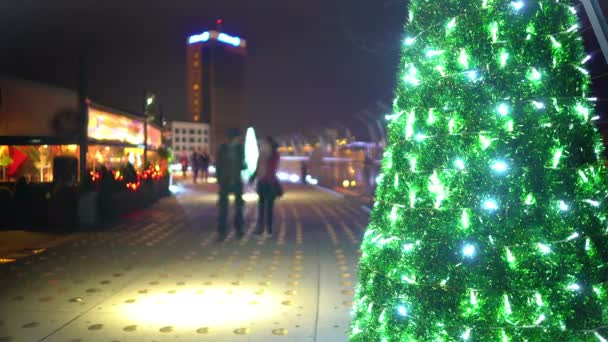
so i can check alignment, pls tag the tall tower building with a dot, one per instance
(216, 84)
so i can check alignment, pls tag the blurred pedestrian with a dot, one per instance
(268, 186)
(303, 172)
(196, 164)
(184, 162)
(205, 160)
(230, 163)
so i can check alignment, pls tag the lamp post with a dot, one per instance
(148, 102)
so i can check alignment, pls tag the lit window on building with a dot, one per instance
(196, 116)
(195, 86)
(195, 64)
(195, 101)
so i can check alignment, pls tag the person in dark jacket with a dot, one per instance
(268, 186)
(196, 165)
(205, 160)
(230, 161)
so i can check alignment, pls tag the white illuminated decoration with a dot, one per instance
(433, 53)
(409, 41)
(499, 166)
(401, 310)
(538, 105)
(592, 202)
(517, 5)
(544, 248)
(503, 109)
(586, 59)
(466, 335)
(410, 76)
(563, 206)
(574, 287)
(472, 75)
(490, 204)
(468, 251)
(459, 164)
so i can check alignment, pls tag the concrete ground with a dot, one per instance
(160, 275)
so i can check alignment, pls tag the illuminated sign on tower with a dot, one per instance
(215, 82)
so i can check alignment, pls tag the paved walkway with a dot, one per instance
(159, 275)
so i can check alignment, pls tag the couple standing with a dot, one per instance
(230, 163)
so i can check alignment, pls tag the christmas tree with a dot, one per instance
(490, 222)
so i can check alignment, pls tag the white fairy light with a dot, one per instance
(401, 310)
(433, 53)
(459, 164)
(539, 299)
(544, 248)
(490, 204)
(503, 109)
(468, 250)
(586, 59)
(540, 319)
(538, 105)
(574, 287)
(466, 335)
(592, 202)
(472, 75)
(563, 206)
(408, 247)
(499, 166)
(508, 310)
(517, 5)
(409, 40)
(572, 28)
(574, 235)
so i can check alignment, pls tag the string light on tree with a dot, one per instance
(492, 223)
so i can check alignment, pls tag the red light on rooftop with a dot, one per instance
(219, 21)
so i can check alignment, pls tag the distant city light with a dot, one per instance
(198, 38)
(222, 37)
(235, 41)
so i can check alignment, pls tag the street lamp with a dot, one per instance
(150, 100)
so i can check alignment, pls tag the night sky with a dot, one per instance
(311, 64)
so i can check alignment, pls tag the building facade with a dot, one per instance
(215, 82)
(189, 136)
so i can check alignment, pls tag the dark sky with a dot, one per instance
(311, 64)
